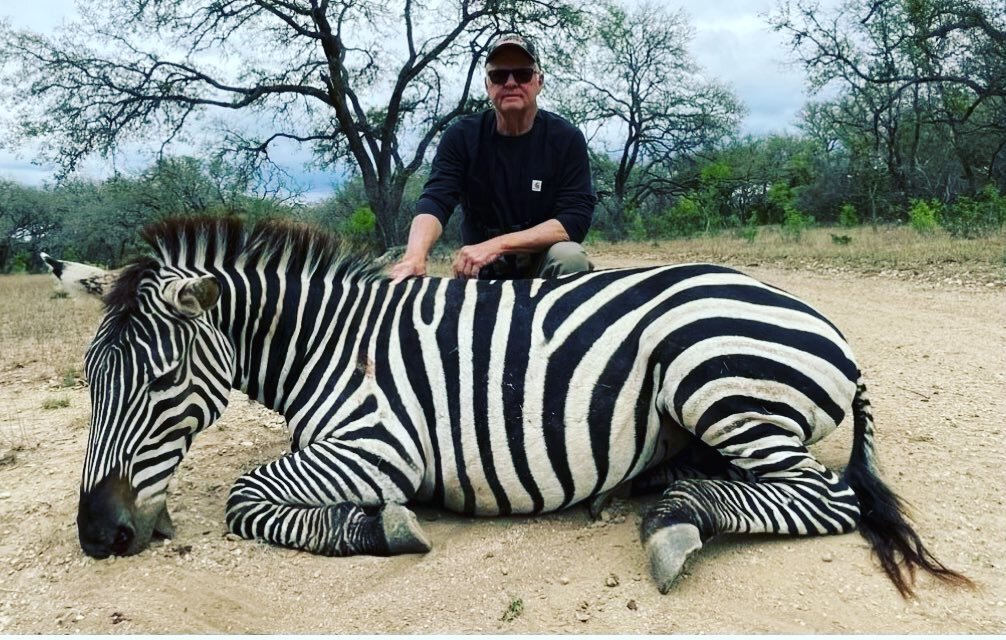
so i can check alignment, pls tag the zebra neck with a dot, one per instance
(297, 339)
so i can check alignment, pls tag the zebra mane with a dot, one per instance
(202, 241)
(196, 242)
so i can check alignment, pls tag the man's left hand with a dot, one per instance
(472, 258)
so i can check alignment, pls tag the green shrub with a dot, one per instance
(841, 240)
(634, 227)
(20, 262)
(748, 232)
(847, 216)
(924, 216)
(360, 226)
(795, 223)
(685, 218)
(975, 217)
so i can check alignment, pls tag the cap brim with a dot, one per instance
(510, 45)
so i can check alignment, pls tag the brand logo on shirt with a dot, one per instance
(536, 185)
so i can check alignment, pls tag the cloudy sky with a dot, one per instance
(732, 42)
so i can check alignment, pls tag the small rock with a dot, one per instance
(631, 605)
(232, 537)
(611, 581)
(582, 616)
(4, 495)
(827, 557)
(605, 516)
(564, 580)
(505, 571)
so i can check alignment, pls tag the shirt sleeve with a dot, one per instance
(575, 199)
(442, 191)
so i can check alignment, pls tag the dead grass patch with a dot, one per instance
(41, 335)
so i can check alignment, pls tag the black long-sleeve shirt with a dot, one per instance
(511, 183)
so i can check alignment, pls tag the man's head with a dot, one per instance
(513, 75)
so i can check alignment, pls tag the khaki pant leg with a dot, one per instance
(563, 258)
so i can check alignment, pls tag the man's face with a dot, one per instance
(512, 96)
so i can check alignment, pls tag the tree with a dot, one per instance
(25, 218)
(635, 85)
(369, 84)
(922, 82)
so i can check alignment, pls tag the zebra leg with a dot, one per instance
(789, 492)
(697, 461)
(315, 500)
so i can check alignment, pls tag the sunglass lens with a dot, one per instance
(500, 76)
(523, 76)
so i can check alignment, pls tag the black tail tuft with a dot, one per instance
(894, 541)
(882, 520)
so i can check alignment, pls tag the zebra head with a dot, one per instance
(159, 371)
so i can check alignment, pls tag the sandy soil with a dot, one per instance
(934, 353)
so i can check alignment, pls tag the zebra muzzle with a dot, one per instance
(109, 522)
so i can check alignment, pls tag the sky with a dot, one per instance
(732, 43)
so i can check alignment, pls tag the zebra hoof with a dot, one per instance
(668, 549)
(598, 503)
(402, 531)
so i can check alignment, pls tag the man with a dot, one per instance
(521, 175)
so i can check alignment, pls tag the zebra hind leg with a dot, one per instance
(300, 501)
(786, 491)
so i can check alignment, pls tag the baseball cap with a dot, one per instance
(512, 40)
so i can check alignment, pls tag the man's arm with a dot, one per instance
(472, 258)
(423, 234)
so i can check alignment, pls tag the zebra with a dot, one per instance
(482, 397)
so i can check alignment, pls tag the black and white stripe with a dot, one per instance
(483, 397)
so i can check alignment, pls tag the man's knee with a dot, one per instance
(563, 258)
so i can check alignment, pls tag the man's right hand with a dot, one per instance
(407, 268)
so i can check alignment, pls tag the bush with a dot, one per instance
(847, 216)
(795, 223)
(685, 218)
(747, 232)
(360, 226)
(924, 216)
(20, 263)
(982, 215)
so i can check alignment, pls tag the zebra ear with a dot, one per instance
(80, 280)
(193, 296)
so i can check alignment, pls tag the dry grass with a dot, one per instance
(935, 256)
(42, 335)
(867, 250)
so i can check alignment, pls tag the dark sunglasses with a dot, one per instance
(500, 76)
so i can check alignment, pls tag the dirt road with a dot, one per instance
(934, 354)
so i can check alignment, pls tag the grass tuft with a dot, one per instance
(514, 610)
(56, 403)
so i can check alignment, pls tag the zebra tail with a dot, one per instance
(883, 519)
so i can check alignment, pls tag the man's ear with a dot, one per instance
(78, 279)
(192, 296)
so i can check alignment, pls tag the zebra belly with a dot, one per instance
(487, 481)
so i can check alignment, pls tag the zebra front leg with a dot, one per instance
(789, 492)
(328, 499)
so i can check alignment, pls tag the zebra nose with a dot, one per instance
(100, 540)
(105, 522)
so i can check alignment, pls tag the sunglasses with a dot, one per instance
(500, 76)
